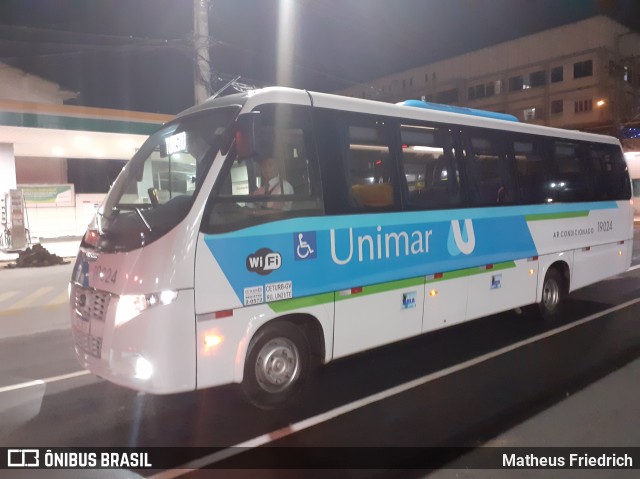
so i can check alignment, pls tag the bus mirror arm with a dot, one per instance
(246, 135)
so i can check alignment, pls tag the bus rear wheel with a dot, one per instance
(277, 364)
(554, 292)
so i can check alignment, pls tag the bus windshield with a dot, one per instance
(155, 189)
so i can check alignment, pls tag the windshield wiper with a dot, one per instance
(119, 208)
(143, 219)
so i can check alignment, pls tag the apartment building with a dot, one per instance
(584, 75)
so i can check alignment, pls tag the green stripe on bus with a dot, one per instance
(308, 301)
(324, 298)
(298, 303)
(556, 216)
(384, 287)
(461, 273)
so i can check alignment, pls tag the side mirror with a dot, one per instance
(246, 135)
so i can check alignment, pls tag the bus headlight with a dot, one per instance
(131, 305)
(144, 369)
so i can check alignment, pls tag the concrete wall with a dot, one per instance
(31, 170)
(55, 222)
(7, 168)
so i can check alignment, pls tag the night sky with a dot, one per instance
(137, 54)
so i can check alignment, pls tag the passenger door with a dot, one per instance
(378, 304)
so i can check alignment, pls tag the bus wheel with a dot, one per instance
(553, 294)
(277, 363)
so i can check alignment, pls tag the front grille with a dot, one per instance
(90, 304)
(86, 342)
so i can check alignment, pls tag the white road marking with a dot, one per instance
(62, 298)
(40, 382)
(30, 298)
(7, 295)
(258, 441)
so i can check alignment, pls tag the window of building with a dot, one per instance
(583, 69)
(493, 88)
(426, 77)
(557, 74)
(477, 91)
(516, 83)
(529, 114)
(447, 96)
(429, 168)
(557, 106)
(524, 82)
(628, 75)
(582, 106)
(537, 79)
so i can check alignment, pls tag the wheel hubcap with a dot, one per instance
(551, 294)
(277, 365)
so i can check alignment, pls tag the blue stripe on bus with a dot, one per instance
(332, 253)
(386, 219)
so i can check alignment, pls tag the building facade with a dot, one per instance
(584, 75)
(62, 158)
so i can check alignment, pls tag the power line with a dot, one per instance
(121, 44)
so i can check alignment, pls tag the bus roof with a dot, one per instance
(497, 121)
(458, 109)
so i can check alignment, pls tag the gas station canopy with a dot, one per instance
(63, 131)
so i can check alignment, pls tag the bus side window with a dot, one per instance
(571, 174)
(430, 172)
(491, 182)
(610, 172)
(281, 181)
(530, 169)
(369, 168)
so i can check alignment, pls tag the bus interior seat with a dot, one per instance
(374, 195)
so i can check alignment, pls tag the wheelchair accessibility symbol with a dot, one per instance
(305, 245)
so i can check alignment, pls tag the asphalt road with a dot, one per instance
(461, 386)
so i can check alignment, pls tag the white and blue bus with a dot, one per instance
(378, 222)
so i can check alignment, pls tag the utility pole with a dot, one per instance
(202, 65)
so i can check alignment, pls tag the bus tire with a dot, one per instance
(554, 292)
(278, 362)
